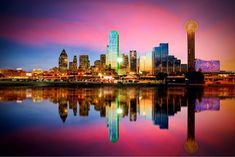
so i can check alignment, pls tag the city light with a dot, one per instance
(191, 26)
(119, 59)
(119, 111)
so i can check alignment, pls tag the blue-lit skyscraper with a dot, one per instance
(113, 50)
(160, 58)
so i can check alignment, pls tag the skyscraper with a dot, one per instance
(146, 63)
(160, 58)
(133, 60)
(102, 61)
(191, 26)
(174, 64)
(73, 65)
(63, 61)
(84, 62)
(113, 50)
(124, 63)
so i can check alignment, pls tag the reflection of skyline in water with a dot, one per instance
(212, 104)
(133, 104)
(152, 104)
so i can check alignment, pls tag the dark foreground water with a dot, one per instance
(117, 121)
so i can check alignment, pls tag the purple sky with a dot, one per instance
(33, 33)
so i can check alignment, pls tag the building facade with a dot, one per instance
(207, 66)
(174, 64)
(84, 62)
(146, 64)
(73, 65)
(63, 62)
(133, 61)
(160, 58)
(113, 51)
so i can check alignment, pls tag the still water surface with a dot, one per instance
(117, 121)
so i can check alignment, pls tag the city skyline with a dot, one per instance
(34, 38)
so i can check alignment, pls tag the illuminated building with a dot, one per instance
(207, 66)
(113, 120)
(63, 109)
(70, 66)
(113, 51)
(160, 58)
(102, 61)
(37, 71)
(133, 61)
(190, 27)
(63, 62)
(12, 73)
(84, 62)
(97, 67)
(146, 64)
(97, 63)
(123, 64)
(75, 63)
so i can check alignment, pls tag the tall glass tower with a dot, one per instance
(160, 58)
(113, 50)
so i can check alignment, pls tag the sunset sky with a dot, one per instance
(34, 32)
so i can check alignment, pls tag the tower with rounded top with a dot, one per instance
(191, 27)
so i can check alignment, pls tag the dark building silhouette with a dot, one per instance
(63, 109)
(191, 146)
(191, 26)
(102, 61)
(133, 110)
(133, 61)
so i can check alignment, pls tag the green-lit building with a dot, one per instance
(113, 50)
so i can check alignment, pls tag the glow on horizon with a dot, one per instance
(141, 26)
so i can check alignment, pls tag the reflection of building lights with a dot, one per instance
(19, 101)
(191, 146)
(119, 111)
(100, 75)
(19, 69)
(144, 113)
(108, 77)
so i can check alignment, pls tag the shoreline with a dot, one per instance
(95, 84)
